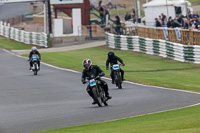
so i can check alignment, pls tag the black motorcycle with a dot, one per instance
(117, 77)
(98, 91)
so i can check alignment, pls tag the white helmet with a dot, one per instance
(34, 48)
(87, 63)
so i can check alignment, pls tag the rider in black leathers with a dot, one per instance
(94, 70)
(112, 59)
(34, 51)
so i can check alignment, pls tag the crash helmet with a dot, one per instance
(34, 49)
(87, 63)
(111, 54)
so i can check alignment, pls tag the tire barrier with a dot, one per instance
(39, 39)
(175, 51)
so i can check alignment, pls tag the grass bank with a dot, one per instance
(178, 121)
(140, 68)
(11, 44)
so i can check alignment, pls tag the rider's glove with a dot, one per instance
(101, 74)
(83, 81)
(123, 64)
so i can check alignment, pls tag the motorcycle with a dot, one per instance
(98, 91)
(35, 67)
(117, 77)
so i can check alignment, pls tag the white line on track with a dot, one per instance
(69, 70)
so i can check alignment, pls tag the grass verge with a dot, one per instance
(11, 44)
(178, 121)
(140, 68)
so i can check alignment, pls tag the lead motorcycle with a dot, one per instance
(117, 77)
(98, 91)
(35, 67)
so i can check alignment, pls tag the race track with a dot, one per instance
(56, 98)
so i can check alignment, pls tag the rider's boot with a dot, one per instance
(107, 95)
(113, 81)
(94, 102)
(122, 76)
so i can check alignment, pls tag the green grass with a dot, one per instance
(194, 1)
(11, 44)
(178, 121)
(140, 68)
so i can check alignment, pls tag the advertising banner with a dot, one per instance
(178, 34)
(166, 33)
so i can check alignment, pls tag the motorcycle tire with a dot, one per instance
(97, 97)
(119, 81)
(35, 71)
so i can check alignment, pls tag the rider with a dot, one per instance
(95, 70)
(34, 51)
(112, 59)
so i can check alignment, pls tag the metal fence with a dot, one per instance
(40, 39)
(93, 31)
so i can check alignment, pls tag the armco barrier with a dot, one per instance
(40, 39)
(176, 51)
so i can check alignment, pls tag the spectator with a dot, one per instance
(198, 27)
(157, 23)
(175, 23)
(196, 20)
(127, 16)
(107, 15)
(169, 23)
(186, 24)
(163, 19)
(180, 20)
(118, 25)
(192, 25)
(195, 15)
(160, 19)
(133, 11)
(102, 15)
(100, 2)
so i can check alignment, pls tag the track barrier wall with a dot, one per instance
(166, 49)
(39, 39)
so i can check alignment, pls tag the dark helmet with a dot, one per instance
(87, 63)
(111, 54)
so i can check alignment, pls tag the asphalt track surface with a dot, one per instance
(56, 98)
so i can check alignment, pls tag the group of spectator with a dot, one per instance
(129, 16)
(191, 21)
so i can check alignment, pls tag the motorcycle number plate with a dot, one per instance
(34, 58)
(92, 82)
(115, 67)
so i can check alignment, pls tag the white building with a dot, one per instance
(171, 8)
